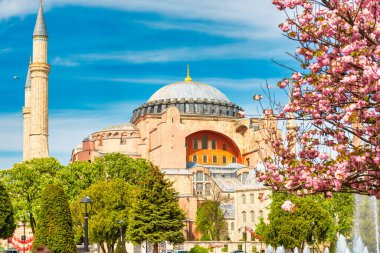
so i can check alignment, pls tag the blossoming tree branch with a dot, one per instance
(335, 142)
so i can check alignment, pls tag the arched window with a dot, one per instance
(123, 139)
(214, 159)
(232, 226)
(243, 199)
(224, 146)
(204, 158)
(224, 159)
(195, 143)
(234, 159)
(261, 214)
(213, 144)
(252, 198)
(247, 161)
(204, 142)
(252, 216)
(199, 176)
(195, 158)
(244, 216)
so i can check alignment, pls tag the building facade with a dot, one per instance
(200, 140)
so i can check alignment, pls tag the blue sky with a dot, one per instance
(109, 56)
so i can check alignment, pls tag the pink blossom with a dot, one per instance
(288, 206)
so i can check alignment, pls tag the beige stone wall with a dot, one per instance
(252, 206)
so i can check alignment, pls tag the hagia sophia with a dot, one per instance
(199, 139)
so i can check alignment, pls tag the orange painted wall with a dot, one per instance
(231, 148)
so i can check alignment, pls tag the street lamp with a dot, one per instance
(187, 221)
(312, 234)
(245, 237)
(87, 203)
(23, 238)
(121, 235)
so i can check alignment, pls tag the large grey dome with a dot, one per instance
(191, 98)
(189, 90)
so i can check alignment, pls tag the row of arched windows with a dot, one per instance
(244, 216)
(214, 158)
(251, 199)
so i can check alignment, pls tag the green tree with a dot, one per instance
(294, 229)
(117, 165)
(24, 183)
(198, 249)
(341, 207)
(75, 178)
(111, 203)
(155, 215)
(54, 225)
(7, 223)
(210, 220)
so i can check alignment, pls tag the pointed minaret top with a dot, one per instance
(40, 28)
(188, 78)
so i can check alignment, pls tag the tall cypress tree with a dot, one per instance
(156, 216)
(7, 223)
(54, 225)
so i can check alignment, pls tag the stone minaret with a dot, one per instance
(26, 118)
(39, 74)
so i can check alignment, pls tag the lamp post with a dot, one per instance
(23, 238)
(86, 201)
(187, 222)
(245, 237)
(121, 235)
(312, 235)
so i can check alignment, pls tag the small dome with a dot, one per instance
(121, 127)
(189, 90)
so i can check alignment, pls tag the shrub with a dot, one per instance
(54, 223)
(7, 223)
(198, 249)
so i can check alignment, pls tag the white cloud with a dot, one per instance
(64, 62)
(248, 50)
(257, 17)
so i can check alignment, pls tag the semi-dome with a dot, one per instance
(189, 90)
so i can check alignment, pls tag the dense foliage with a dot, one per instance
(155, 215)
(7, 223)
(25, 182)
(294, 228)
(54, 226)
(210, 220)
(198, 249)
(335, 97)
(111, 203)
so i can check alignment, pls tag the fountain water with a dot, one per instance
(306, 248)
(280, 249)
(296, 250)
(373, 203)
(341, 245)
(366, 217)
(326, 250)
(269, 249)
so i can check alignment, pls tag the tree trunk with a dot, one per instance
(103, 248)
(155, 247)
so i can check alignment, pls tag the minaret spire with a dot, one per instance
(39, 81)
(188, 78)
(40, 28)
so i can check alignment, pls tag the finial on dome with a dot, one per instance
(188, 78)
